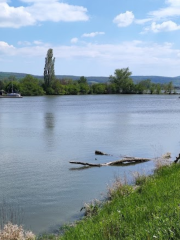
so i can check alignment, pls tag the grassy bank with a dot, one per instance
(150, 211)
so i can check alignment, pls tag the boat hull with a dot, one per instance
(10, 96)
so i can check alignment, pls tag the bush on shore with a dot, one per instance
(15, 232)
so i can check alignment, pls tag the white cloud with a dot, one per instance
(172, 10)
(165, 13)
(174, 3)
(162, 58)
(74, 40)
(5, 45)
(124, 19)
(27, 43)
(38, 1)
(6, 49)
(24, 43)
(39, 11)
(43, 11)
(93, 34)
(14, 17)
(37, 42)
(162, 19)
(142, 21)
(164, 27)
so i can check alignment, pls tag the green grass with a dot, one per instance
(152, 211)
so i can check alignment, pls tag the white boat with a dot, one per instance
(14, 95)
(9, 95)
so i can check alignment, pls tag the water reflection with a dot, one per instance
(79, 168)
(49, 120)
(49, 135)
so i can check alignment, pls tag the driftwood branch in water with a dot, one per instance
(87, 164)
(126, 160)
(177, 158)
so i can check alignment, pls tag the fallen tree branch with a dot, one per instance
(87, 164)
(126, 160)
(177, 158)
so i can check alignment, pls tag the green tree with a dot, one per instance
(122, 80)
(12, 78)
(139, 88)
(72, 89)
(111, 88)
(29, 86)
(99, 88)
(146, 85)
(158, 88)
(83, 85)
(153, 88)
(49, 74)
(12, 86)
(58, 88)
(168, 88)
(2, 85)
(82, 80)
(84, 88)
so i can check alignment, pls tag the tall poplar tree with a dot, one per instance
(49, 73)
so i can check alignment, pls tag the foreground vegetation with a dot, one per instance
(149, 211)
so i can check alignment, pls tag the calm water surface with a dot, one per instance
(40, 135)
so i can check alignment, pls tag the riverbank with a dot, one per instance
(151, 210)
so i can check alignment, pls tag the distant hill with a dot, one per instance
(89, 79)
(136, 79)
(93, 79)
(158, 79)
(17, 75)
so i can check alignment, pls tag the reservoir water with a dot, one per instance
(40, 135)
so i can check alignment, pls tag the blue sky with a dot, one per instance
(91, 37)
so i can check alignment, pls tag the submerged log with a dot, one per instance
(101, 153)
(126, 160)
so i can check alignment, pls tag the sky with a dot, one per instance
(91, 37)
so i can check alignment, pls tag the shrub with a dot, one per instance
(15, 232)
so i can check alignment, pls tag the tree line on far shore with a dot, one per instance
(119, 83)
